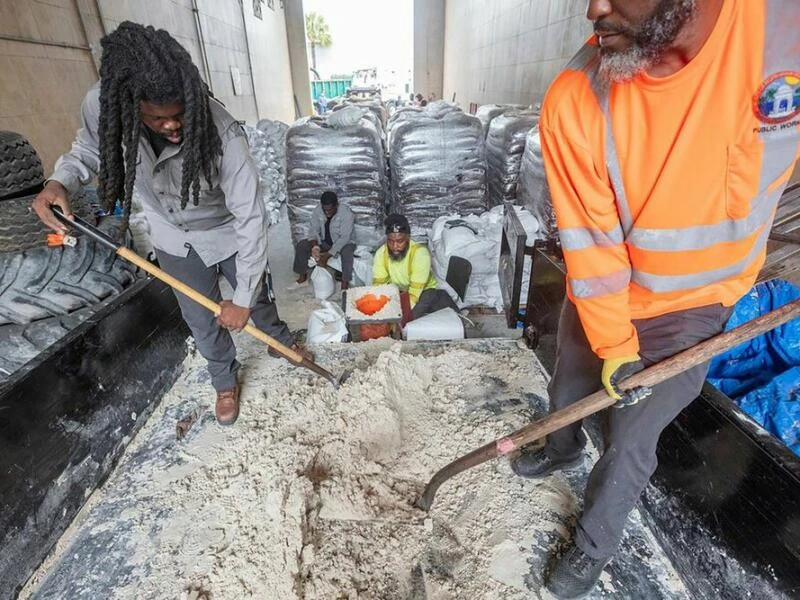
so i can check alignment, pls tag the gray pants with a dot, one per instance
(302, 253)
(214, 342)
(432, 300)
(630, 434)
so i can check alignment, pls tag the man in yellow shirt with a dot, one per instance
(407, 264)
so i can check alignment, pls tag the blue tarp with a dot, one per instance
(763, 375)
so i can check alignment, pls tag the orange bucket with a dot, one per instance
(369, 303)
(374, 331)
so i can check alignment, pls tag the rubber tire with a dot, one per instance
(20, 344)
(20, 167)
(21, 229)
(45, 282)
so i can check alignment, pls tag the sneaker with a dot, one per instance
(575, 574)
(227, 408)
(535, 464)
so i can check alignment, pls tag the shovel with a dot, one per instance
(129, 255)
(652, 375)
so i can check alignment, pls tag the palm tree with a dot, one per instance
(318, 34)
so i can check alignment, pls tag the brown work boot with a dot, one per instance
(227, 409)
(302, 279)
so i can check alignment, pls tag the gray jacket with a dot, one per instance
(229, 219)
(342, 227)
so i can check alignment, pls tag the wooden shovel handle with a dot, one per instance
(184, 289)
(596, 402)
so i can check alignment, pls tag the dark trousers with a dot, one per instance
(214, 342)
(302, 253)
(630, 434)
(430, 301)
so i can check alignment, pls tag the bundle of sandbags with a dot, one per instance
(374, 105)
(341, 152)
(532, 190)
(436, 109)
(487, 112)
(504, 147)
(437, 161)
(268, 147)
(477, 239)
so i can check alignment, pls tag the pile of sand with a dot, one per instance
(310, 495)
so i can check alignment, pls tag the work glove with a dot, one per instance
(616, 370)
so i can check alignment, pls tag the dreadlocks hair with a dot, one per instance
(145, 64)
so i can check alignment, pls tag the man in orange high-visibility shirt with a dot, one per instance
(667, 141)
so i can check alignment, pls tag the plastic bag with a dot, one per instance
(323, 283)
(444, 324)
(362, 266)
(326, 325)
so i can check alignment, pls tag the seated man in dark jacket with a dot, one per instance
(330, 233)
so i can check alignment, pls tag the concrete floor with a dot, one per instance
(295, 304)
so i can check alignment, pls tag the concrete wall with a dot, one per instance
(46, 60)
(269, 53)
(222, 31)
(45, 68)
(429, 42)
(508, 51)
(298, 58)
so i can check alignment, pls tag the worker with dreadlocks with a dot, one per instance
(151, 122)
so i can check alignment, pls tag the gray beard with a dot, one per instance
(398, 256)
(650, 41)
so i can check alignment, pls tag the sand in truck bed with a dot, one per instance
(310, 494)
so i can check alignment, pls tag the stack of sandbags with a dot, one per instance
(438, 164)
(401, 114)
(436, 109)
(440, 108)
(504, 146)
(487, 112)
(374, 105)
(268, 148)
(477, 238)
(342, 152)
(532, 190)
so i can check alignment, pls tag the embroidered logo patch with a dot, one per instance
(778, 98)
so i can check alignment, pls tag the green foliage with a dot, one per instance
(317, 30)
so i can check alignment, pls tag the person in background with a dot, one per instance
(190, 163)
(322, 102)
(331, 232)
(667, 142)
(418, 100)
(407, 264)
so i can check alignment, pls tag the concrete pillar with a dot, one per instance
(298, 57)
(429, 30)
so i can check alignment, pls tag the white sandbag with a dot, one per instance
(481, 249)
(362, 266)
(444, 324)
(326, 325)
(335, 263)
(323, 283)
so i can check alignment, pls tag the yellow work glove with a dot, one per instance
(616, 370)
